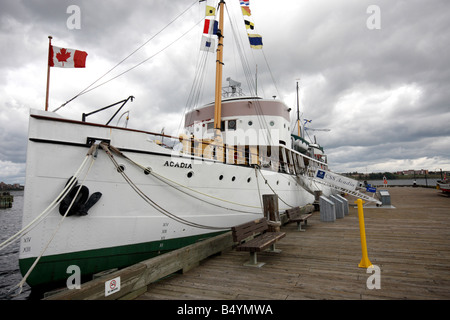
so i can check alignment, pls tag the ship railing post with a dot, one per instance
(270, 207)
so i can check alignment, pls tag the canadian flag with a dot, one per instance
(66, 58)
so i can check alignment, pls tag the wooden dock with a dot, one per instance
(410, 244)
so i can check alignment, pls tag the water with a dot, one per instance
(10, 223)
(404, 182)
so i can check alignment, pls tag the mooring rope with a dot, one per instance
(153, 203)
(168, 181)
(162, 178)
(21, 283)
(259, 192)
(267, 182)
(72, 181)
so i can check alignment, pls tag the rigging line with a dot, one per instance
(142, 62)
(198, 73)
(249, 78)
(194, 94)
(123, 60)
(202, 79)
(252, 85)
(270, 71)
(245, 63)
(188, 104)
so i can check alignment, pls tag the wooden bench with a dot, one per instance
(296, 215)
(252, 237)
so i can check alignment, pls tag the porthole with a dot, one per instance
(249, 179)
(121, 168)
(250, 123)
(190, 174)
(272, 123)
(220, 177)
(148, 170)
(234, 178)
(278, 182)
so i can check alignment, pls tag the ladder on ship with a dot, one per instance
(355, 193)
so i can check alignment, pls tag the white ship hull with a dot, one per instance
(122, 228)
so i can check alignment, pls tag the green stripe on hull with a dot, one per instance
(53, 269)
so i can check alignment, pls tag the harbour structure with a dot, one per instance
(6, 200)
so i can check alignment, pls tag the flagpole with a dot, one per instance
(48, 71)
(298, 115)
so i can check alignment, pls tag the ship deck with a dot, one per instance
(409, 243)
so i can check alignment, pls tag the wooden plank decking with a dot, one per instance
(410, 244)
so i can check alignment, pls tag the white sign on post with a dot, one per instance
(112, 286)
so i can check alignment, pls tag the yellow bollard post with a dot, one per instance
(365, 263)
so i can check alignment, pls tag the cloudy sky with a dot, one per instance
(376, 72)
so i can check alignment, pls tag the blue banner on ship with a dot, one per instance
(336, 179)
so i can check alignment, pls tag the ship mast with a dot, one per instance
(219, 65)
(298, 114)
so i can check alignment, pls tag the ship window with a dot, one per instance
(221, 177)
(272, 123)
(231, 124)
(250, 123)
(249, 179)
(190, 174)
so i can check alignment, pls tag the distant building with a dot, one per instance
(411, 172)
(15, 186)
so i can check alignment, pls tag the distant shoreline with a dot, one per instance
(393, 176)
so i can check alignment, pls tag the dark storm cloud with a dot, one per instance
(383, 93)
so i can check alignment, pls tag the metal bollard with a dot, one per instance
(365, 263)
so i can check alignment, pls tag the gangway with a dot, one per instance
(339, 183)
